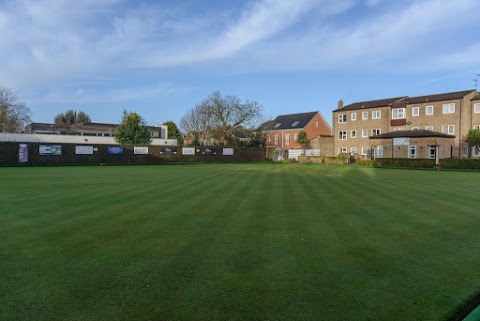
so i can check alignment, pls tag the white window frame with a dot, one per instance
(448, 108)
(376, 114)
(364, 150)
(416, 128)
(353, 150)
(430, 128)
(316, 123)
(416, 111)
(353, 133)
(364, 115)
(448, 129)
(269, 139)
(476, 108)
(353, 116)
(398, 113)
(412, 151)
(287, 139)
(295, 137)
(342, 135)
(475, 152)
(376, 131)
(342, 150)
(397, 129)
(342, 118)
(275, 140)
(377, 151)
(430, 150)
(364, 132)
(429, 110)
(476, 127)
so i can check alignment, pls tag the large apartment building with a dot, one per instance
(431, 126)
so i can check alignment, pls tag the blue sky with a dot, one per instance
(160, 58)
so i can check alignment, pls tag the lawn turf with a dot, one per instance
(237, 242)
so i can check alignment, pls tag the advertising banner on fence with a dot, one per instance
(83, 150)
(115, 150)
(140, 150)
(228, 151)
(50, 150)
(209, 151)
(23, 153)
(188, 151)
(168, 150)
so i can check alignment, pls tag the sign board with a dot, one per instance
(83, 150)
(401, 141)
(50, 150)
(228, 151)
(140, 150)
(188, 151)
(168, 150)
(209, 151)
(23, 153)
(115, 150)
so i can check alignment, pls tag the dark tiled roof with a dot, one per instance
(477, 97)
(266, 126)
(293, 121)
(369, 104)
(438, 97)
(412, 134)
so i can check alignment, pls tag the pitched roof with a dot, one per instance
(438, 97)
(412, 134)
(293, 121)
(477, 97)
(370, 104)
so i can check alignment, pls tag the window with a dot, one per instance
(364, 150)
(364, 133)
(475, 151)
(375, 131)
(415, 128)
(465, 150)
(365, 115)
(429, 128)
(416, 111)
(376, 114)
(269, 139)
(353, 150)
(342, 135)
(316, 124)
(353, 116)
(448, 108)
(342, 150)
(429, 110)
(398, 129)
(449, 129)
(275, 140)
(432, 152)
(476, 127)
(353, 134)
(287, 139)
(412, 151)
(377, 151)
(476, 108)
(295, 137)
(398, 113)
(295, 123)
(342, 118)
(277, 125)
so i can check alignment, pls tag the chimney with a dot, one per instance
(340, 103)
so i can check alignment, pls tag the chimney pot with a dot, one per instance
(340, 103)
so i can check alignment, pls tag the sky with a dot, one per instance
(161, 58)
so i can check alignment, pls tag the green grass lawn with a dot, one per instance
(237, 242)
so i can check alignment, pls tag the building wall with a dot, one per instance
(422, 147)
(324, 144)
(354, 144)
(316, 127)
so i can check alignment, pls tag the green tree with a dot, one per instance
(132, 130)
(174, 132)
(71, 117)
(302, 139)
(473, 140)
(14, 114)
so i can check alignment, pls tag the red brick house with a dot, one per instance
(282, 132)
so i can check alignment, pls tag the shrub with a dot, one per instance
(405, 162)
(460, 163)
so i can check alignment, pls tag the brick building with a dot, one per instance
(443, 120)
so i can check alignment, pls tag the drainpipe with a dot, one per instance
(460, 141)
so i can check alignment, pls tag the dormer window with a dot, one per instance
(277, 125)
(295, 123)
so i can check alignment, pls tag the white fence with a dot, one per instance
(294, 153)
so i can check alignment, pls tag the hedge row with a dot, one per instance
(9, 155)
(405, 162)
(460, 163)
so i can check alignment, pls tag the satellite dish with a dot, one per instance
(409, 122)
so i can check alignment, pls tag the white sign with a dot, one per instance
(188, 151)
(228, 151)
(401, 141)
(23, 153)
(140, 150)
(83, 150)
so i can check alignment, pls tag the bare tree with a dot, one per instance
(199, 124)
(14, 114)
(230, 113)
